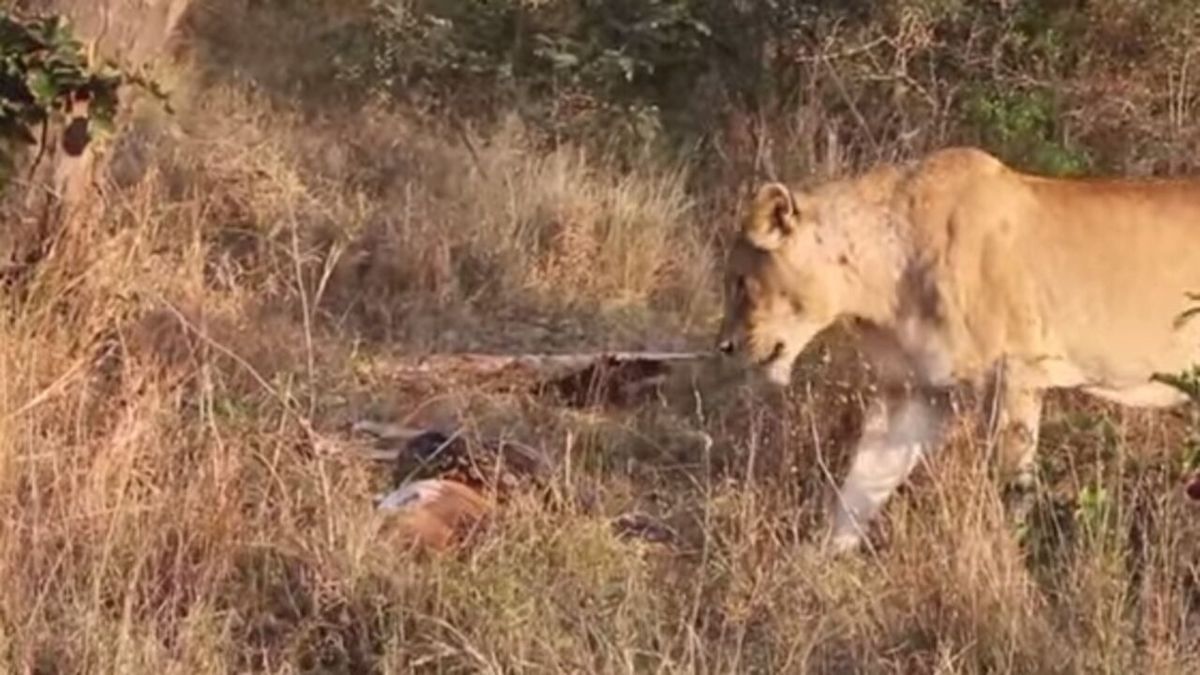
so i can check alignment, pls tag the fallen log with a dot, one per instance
(608, 381)
(578, 379)
(487, 363)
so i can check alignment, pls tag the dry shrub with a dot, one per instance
(378, 226)
(160, 493)
(502, 227)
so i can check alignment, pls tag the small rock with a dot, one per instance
(644, 527)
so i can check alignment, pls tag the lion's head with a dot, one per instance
(782, 282)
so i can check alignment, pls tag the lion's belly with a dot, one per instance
(1153, 395)
(1119, 342)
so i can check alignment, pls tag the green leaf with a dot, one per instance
(42, 86)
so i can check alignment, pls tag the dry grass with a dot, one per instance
(173, 378)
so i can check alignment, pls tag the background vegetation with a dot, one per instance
(192, 316)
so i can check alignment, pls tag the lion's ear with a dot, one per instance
(772, 217)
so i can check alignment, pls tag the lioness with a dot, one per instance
(959, 269)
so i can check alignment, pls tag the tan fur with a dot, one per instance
(434, 514)
(958, 269)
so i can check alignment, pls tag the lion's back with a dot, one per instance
(1094, 270)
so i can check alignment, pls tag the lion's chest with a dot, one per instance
(927, 350)
(911, 349)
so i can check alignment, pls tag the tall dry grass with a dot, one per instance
(176, 377)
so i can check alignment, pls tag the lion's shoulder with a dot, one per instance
(952, 180)
(963, 155)
(951, 168)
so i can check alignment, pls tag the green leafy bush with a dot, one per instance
(44, 69)
(46, 75)
(1051, 86)
(1021, 128)
(572, 68)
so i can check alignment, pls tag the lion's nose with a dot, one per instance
(726, 347)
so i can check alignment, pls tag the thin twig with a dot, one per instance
(462, 134)
(306, 312)
(854, 111)
(47, 393)
(37, 159)
(845, 53)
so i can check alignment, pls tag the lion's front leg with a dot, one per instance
(1017, 420)
(899, 428)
